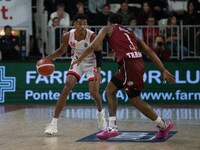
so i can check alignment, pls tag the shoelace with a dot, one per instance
(111, 128)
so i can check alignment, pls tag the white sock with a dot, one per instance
(160, 122)
(54, 121)
(112, 121)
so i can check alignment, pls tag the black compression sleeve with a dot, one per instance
(99, 58)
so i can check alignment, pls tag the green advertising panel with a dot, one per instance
(20, 83)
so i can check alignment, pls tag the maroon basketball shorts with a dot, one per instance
(130, 76)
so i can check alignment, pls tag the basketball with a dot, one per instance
(45, 67)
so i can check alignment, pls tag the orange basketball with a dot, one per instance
(45, 67)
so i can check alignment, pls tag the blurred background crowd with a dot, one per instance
(170, 27)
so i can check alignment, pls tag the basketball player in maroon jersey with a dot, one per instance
(127, 49)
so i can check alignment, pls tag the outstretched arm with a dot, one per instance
(165, 73)
(99, 58)
(94, 46)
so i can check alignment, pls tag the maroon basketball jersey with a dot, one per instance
(124, 43)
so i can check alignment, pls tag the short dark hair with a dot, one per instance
(106, 5)
(60, 5)
(115, 18)
(80, 1)
(55, 18)
(80, 16)
(7, 26)
(132, 18)
(123, 1)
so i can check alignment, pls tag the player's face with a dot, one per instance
(80, 25)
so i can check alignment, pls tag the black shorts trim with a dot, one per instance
(117, 83)
(133, 93)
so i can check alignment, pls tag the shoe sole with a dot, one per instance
(49, 133)
(106, 138)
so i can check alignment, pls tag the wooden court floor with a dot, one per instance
(22, 128)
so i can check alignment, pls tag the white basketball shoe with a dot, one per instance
(51, 129)
(101, 121)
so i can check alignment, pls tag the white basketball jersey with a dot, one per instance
(79, 46)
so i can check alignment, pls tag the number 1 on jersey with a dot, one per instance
(131, 46)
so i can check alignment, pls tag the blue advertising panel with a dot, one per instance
(20, 83)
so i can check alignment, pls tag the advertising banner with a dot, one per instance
(20, 83)
(16, 13)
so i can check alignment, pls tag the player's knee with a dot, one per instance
(135, 101)
(67, 88)
(109, 90)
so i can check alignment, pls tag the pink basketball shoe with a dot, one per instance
(108, 133)
(163, 133)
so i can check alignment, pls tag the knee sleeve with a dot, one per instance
(134, 93)
(117, 82)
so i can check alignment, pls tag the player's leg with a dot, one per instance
(111, 90)
(94, 92)
(143, 107)
(90, 70)
(69, 84)
(134, 86)
(148, 111)
(73, 76)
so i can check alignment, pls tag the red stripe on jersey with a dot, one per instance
(91, 37)
(92, 79)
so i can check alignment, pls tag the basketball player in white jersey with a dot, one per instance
(79, 38)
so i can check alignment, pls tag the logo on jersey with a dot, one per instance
(72, 44)
(85, 44)
(129, 83)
